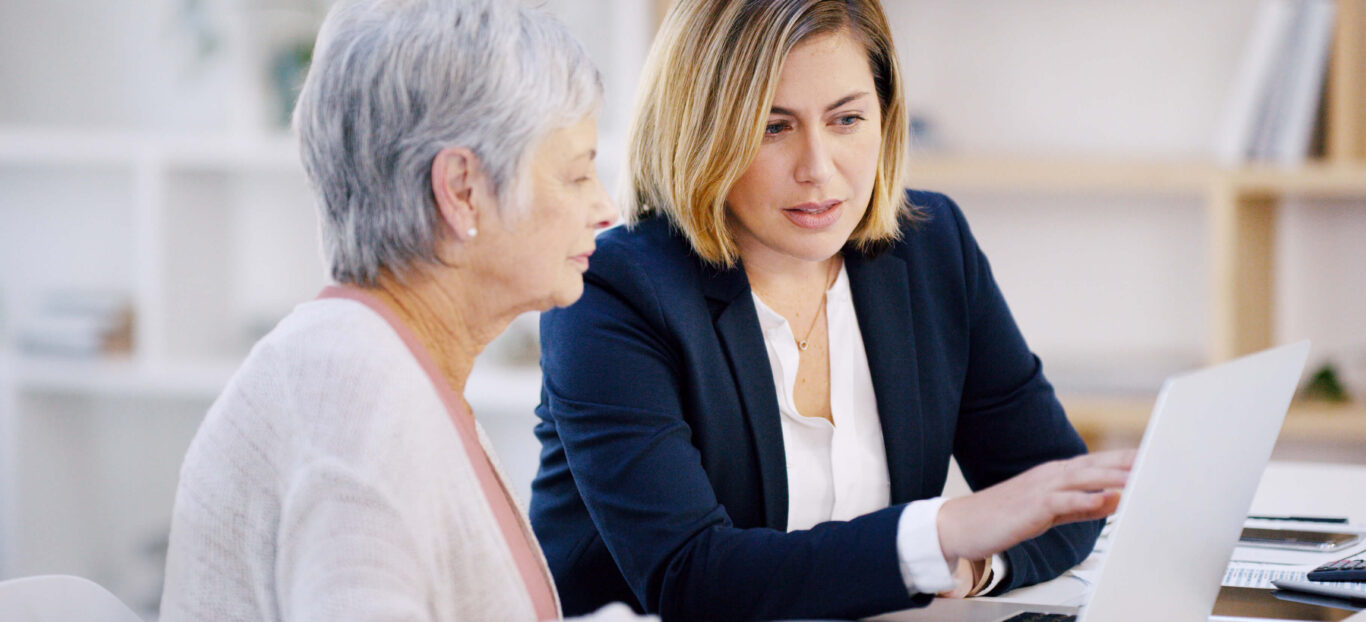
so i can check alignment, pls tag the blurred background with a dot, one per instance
(1159, 185)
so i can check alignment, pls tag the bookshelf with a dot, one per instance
(212, 238)
(198, 232)
(1108, 176)
(1241, 205)
(1346, 89)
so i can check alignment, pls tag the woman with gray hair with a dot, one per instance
(341, 475)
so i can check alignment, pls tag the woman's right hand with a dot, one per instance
(994, 519)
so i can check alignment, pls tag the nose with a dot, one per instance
(602, 214)
(814, 164)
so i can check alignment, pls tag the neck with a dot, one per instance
(770, 273)
(448, 318)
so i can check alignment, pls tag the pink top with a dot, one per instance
(519, 541)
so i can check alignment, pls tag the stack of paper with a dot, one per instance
(1251, 574)
(1258, 567)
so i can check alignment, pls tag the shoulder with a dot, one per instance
(332, 379)
(937, 220)
(331, 347)
(644, 285)
(935, 237)
(933, 204)
(651, 249)
(330, 427)
(640, 268)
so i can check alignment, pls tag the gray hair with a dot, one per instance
(393, 82)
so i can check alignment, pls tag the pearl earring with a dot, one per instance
(471, 232)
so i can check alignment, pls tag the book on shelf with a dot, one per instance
(1274, 99)
(79, 324)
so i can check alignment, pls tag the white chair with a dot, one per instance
(60, 598)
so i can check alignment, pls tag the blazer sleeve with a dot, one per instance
(1010, 419)
(612, 384)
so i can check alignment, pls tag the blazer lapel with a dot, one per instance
(737, 327)
(881, 293)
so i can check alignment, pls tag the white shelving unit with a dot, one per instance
(216, 242)
(188, 209)
(211, 239)
(221, 233)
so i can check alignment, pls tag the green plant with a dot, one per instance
(1324, 385)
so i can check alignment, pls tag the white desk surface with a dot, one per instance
(1313, 489)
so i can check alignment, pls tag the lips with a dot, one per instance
(815, 215)
(581, 260)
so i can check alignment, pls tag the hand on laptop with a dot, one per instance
(1053, 493)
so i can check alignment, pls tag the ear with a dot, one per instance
(461, 189)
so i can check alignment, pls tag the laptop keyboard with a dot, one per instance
(1030, 616)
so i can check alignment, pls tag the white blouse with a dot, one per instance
(839, 471)
(834, 471)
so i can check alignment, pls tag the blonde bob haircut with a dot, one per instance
(706, 91)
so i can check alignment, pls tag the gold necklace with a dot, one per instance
(804, 342)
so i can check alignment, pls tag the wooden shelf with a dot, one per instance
(1063, 175)
(118, 377)
(62, 147)
(492, 390)
(1126, 417)
(1098, 175)
(1316, 179)
(67, 148)
(1241, 206)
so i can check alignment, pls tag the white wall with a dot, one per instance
(1133, 79)
(150, 64)
(1322, 283)
(617, 35)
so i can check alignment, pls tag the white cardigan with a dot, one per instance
(328, 483)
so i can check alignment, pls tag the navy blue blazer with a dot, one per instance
(663, 480)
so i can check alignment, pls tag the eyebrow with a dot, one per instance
(839, 102)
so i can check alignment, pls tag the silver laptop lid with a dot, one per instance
(1206, 445)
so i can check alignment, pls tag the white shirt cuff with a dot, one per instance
(999, 567)
(923, 567)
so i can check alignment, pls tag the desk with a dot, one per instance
(1286, 488)
(1313, 489)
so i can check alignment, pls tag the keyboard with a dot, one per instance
(1030, 616)
(1350, 569)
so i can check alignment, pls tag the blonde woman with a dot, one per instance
(750, 412)
(341, 475)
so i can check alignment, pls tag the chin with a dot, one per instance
(817, 250)
(568, 294)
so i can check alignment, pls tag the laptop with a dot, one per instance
(1204, 450)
